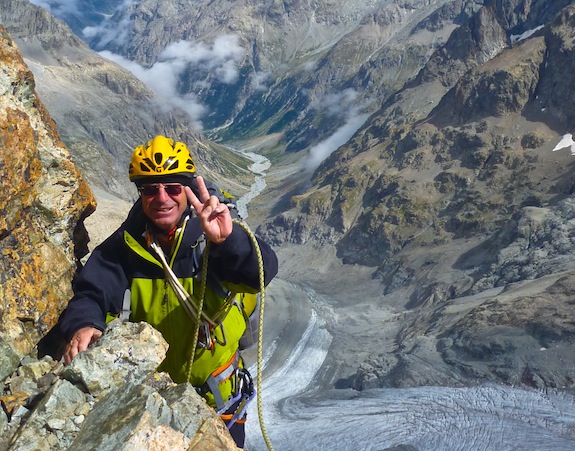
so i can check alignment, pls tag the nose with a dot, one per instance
(162, 195)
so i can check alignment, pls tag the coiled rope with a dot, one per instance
(257, 249)
(244, 226)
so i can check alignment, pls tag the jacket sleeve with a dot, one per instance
(236, 264)
(98, 289)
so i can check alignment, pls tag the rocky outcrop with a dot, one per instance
(109, 397)
(454, 195)
(512, 325)
(110, 394)
(438, 164)
(43, 200)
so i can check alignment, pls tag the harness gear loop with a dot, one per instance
(245, 392)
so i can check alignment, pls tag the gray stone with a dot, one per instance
(52, 411)
(9, 359)
(3, 421)
(189, 410)
(106, 366)
(118, 414)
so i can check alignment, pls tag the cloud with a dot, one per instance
(202, 62)
(337, 104)
(221, 59)
(163, 79)
(59, 7)
(108, 32)
(102, 34)
(260, 80)
(324, 149)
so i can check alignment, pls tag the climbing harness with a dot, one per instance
(204, 336)
(244, 394)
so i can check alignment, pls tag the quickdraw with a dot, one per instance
(207, 337)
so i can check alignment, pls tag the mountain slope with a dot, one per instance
(432, 193)
(454, 193)
(102, 109)
(290, 60)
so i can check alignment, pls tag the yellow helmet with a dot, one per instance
(160, 157)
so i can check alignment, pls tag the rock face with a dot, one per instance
(110, 394)
(109, 397)
(43, 200)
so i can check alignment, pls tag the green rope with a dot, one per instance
(256, 246)
(203, 284)
(260, 332)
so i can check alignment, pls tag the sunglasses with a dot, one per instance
(152, 190)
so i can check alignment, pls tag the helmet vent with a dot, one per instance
(171, 163)
(158, 158)
(144, 168)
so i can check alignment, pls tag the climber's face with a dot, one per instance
(163, 203)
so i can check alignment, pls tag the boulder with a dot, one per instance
(109, 397)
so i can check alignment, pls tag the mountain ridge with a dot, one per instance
(450, 188)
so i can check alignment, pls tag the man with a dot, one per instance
(157, 254)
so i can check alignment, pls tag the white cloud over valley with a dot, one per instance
(201, 62)
(221, 59)
(336, 104)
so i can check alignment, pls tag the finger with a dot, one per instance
(71, 352)
(219, 209)
(84, 340)
(193, 199)
(97, 334)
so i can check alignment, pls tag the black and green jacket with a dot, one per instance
(124, 261)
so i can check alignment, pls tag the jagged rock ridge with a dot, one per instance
(110, 394)
(109, 397)
(43, 201)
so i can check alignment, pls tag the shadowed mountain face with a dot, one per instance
(413, 144)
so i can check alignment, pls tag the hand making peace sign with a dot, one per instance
(214, 216)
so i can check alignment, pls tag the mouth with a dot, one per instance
(163, 210)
